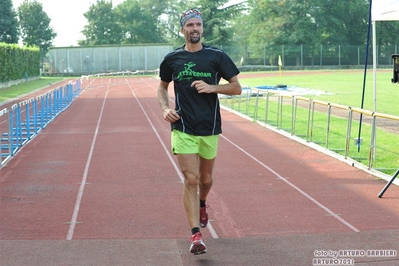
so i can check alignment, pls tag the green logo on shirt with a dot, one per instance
(188, 73)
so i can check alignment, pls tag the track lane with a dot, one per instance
(131, 192)
(317, 216)
(38, 186)
(127, 192)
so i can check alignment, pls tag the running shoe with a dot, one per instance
(197, 246)
(203, 217)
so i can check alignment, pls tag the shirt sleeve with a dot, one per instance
(165, 71)
(227, 67)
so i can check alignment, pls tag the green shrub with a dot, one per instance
(18, 62)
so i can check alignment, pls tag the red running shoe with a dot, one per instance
(197, 246)
(203, 217)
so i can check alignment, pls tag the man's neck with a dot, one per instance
(193, 47)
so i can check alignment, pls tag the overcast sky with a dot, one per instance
(67, 18)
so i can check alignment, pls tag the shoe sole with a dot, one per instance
(198, 248)
(199, 253)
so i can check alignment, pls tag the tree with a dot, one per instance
(139, 21)
(309, 23)
(242, 29)
(155, 21)
(218, 20)
(215, 21)
(35, 25)
(275, 23)
(263, 28)
(103, 27)
(169, 22)
(282, 22)
(341, 22)
(8, 22)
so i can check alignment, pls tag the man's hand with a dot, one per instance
(202, 87)
(231, 88)
(170, 115)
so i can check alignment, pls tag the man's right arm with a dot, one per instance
(169, 115)
(162, 93)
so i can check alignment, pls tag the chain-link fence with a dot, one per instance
(99, 59)
(309, 56)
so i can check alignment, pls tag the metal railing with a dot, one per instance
(113, 78)
(332, 126)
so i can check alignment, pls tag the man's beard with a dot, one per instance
(196, 38)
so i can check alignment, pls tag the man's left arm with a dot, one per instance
(233, 87)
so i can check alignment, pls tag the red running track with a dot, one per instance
(99, 186)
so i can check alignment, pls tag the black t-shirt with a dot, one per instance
(200, 113)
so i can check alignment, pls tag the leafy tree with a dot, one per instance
(169, 23)
(341, 22)
(387, 37)
(278, 22)
(242, 29)
(155, 7)
(8, 22)
(282, 21)
(217, 18)
(309, 22)
(102, 25)
(387, 32)
(258, 28)
(139, 21)
(149, 21)
(35, 25)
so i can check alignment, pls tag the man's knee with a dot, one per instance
(191, 179)
(206, 180)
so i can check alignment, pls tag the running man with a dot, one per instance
(196, 69)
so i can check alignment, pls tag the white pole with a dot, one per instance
(375, 88)
(374, 66)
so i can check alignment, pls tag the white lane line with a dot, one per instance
(266, 167)
(84, 178)
(167, 151)
(293, 186)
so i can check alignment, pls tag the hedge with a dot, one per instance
(16, 62)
